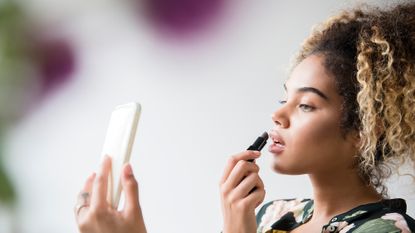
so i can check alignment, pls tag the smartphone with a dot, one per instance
(118, 144)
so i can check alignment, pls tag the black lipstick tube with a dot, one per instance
(259, 143)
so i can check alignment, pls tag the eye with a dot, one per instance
(282, 102)
(306, 108)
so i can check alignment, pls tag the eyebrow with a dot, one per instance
(312, 90)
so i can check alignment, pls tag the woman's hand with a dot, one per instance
(242, 190)
(94, 214)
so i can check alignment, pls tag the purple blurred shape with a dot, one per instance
(55, 60)
(182, 17)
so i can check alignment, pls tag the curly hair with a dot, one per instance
(370, 52)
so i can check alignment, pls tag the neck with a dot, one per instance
(334, 195)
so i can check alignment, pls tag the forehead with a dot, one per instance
(311, 73)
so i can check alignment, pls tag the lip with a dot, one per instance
(278, 144)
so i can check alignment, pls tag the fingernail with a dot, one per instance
(257, 153)
(129, 170)
(92, 176)
(104, 158)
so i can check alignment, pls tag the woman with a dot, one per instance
(347, 121)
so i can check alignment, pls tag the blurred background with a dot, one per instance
(208, 74)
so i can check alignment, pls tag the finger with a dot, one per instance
(100, 185)
(241, 170)
(247, 186)
(88, 183)
(130, 187)
(255, 198)
(84, 196)
(233, 160)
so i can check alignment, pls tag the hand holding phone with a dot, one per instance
(118, 144)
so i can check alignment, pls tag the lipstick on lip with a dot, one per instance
(259, 143)
(278, 144)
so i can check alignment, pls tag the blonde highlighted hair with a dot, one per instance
(371, 54)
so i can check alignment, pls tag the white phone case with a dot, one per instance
(118, 143)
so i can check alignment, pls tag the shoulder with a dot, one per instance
(381, 217)
(294, 209)
(386, 223)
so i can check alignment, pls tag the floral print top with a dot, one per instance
(282, 216)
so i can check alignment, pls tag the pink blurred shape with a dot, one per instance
(54, 58)
(182, 17)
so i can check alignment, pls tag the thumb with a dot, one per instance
(130, 187)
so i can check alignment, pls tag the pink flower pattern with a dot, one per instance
(399, 221)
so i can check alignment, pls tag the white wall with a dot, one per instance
(201, 103)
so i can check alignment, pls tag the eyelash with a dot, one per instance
(306, 108)
(303, 107)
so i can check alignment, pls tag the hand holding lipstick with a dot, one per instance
(242, 190)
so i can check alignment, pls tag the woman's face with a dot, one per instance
(307, 137)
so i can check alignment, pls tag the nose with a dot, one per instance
(280, 118)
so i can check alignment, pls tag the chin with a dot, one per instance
(286, 170)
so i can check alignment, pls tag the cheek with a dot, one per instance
(312, 145)
(315, 134)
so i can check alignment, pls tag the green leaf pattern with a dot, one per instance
(359, 212)
(378, 225)
(386, 216)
